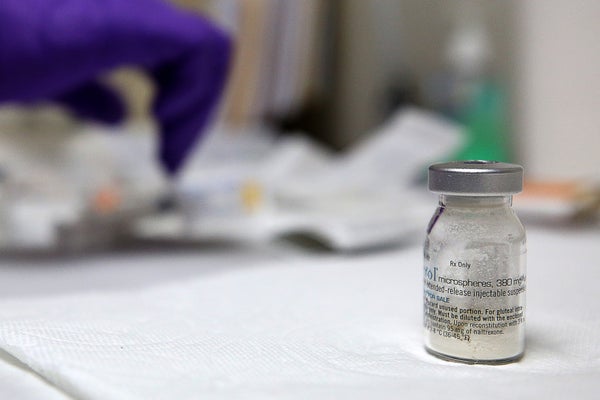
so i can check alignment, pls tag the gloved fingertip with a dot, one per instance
(95, 102)
(189, 88)
(171, 163)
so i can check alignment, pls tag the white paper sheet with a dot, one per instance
(313, 327)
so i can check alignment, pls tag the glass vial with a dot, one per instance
(474, 268)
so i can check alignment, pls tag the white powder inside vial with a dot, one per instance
(475, 285)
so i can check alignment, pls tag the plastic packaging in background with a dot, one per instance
(103, 187)
(34, 201)
(84, 196)
(258, 188)
(560, 202)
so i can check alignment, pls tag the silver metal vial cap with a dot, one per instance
(476, 178)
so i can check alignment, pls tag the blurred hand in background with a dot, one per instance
(56, 49)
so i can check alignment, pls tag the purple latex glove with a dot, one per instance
(55, 50)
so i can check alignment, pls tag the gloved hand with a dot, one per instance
(55, 50)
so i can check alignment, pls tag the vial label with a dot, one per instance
(474, 309)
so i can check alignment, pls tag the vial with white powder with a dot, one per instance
(474, 269)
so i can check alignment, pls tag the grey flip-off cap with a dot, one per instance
(476, 178)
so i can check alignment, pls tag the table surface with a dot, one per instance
(30, 277)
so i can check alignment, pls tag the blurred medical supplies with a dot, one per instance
(83, 194)
(559, 202)
(103, 187)
(245, 189)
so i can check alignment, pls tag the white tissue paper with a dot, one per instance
(305, 329)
